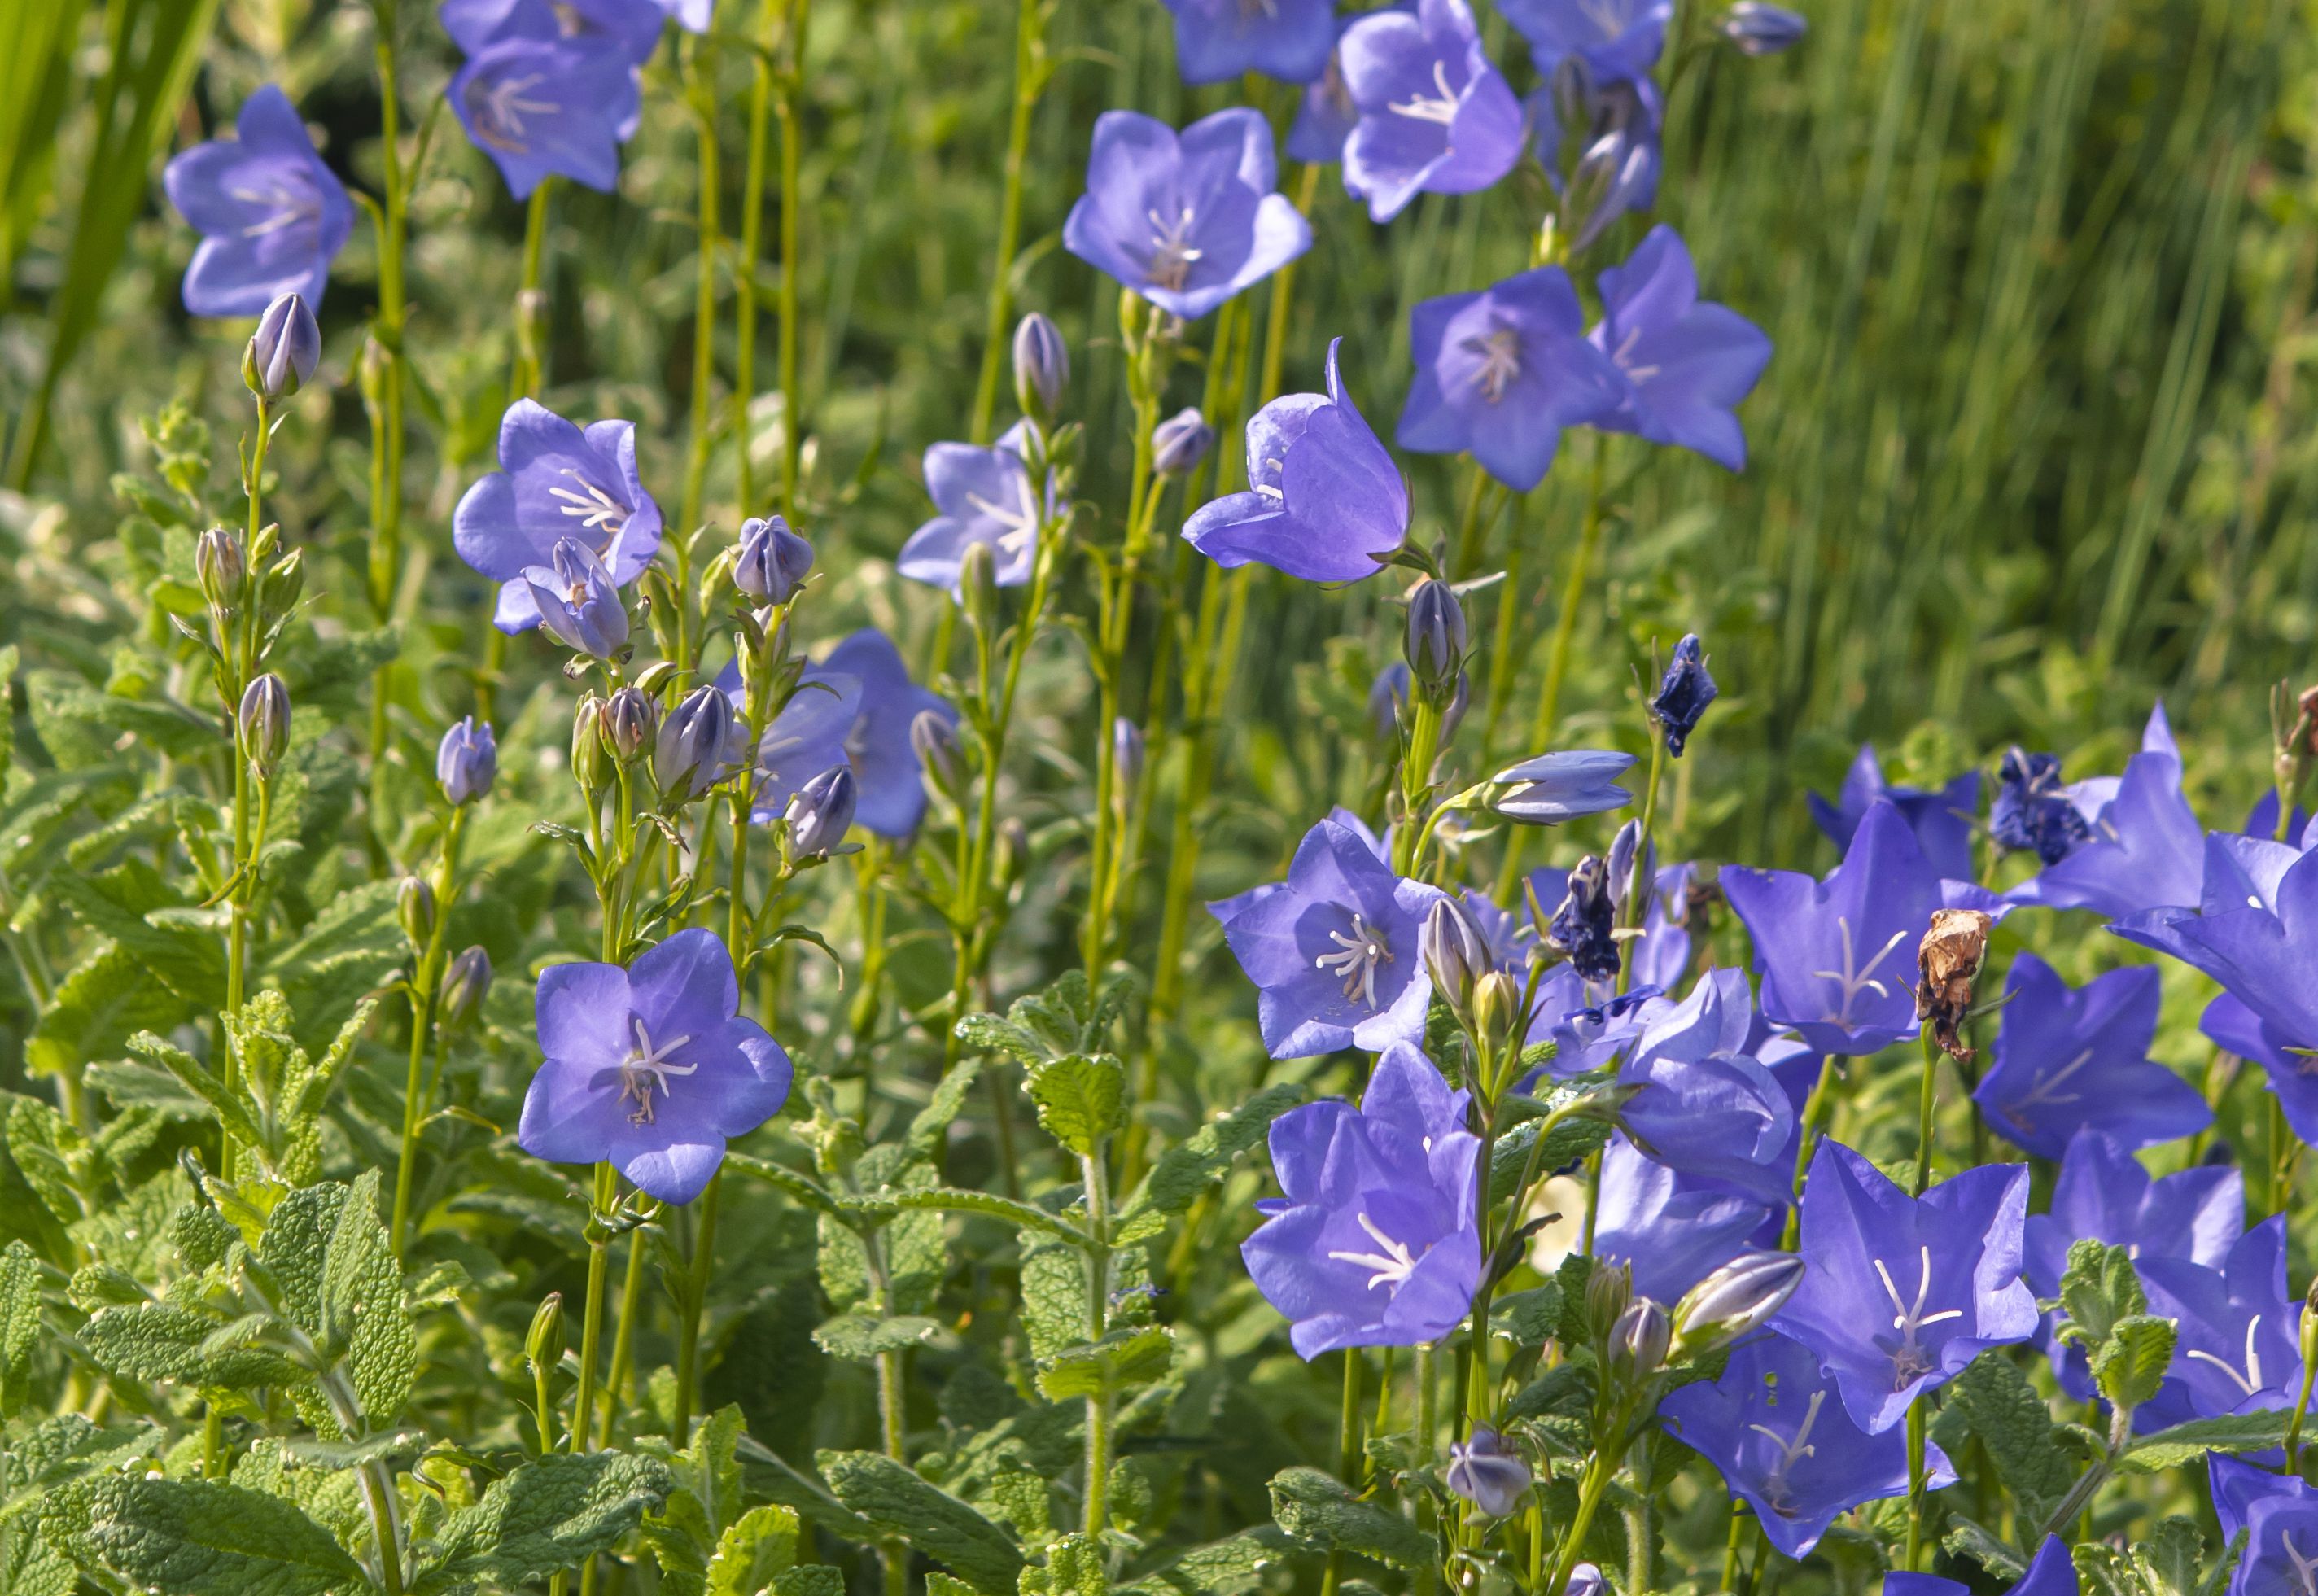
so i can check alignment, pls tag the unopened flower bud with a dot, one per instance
(1608, 1289)
(283, 351)
(1042, 366)
(1586, 1580)
(1641, 1340)
(1496, 1008)
(821, 813)
(935, 743)
(702, 741)
(1950, 956)
(466, 761)
(543, 1346)
(1488, 1472)
(977, 587)
(1738, 1297)
(284, 581)
(1454, 952)
(1620, 865)
(1388, 702)
(1763, 29)
(264, 722)
(414, 906)
(222, 569)
(631, 722)
(772, 561)
(464, 986)
(1180, 442)
(1436, 644)
(588, 744)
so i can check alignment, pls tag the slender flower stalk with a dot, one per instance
(426, 1006)
(384, 380)
(771, 16)
(1031, 71)
(792, 338)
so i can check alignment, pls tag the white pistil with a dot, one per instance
(647, 1066)
(1625, 355)
(1362, 951)
(1021, 520)
(1500, 352)
(591, 506)
(499, 109)
(2043, 1092)
(1171, 252)
(1393, 1265)
(1908, 1359)
(286, 208)
(1853, 980)
(1443, 111)
(2305, 1569)
(2250, 1380)
(1775, 1490)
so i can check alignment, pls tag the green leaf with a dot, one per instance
(1984, 1546)
(1315, 1507)
(117, 904)
(1578, 1136)
(232, 1108)
(2012, 1421)
(2131, 1363)
(19, 1323)
(1121, 1360)
(958, 1200)
(57, 1451)
(802, 1187)
(196, 1537)
(2187, 1443)
(95, 1009)
(1074, 1566)
(819, 1579)
(547, 1516)
(861, 1337)
(1080, 1098)
(2099, 1288)
(902, 1504)
(1225, 1567)
(46, 1147)
(329, 1250)
(1528, 1318)
(753, 1552)
(929, 1128)
(2169, 1560)
(154, 1341)
(1203, 1157)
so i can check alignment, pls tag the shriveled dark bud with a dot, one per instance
(1950, 956)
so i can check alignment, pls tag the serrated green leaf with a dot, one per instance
(1120, 1361)
(986, 1033)
(94, 1011)
(819, 1579)
(2104, 1570)
(2012, 1421)
(2187, 1443)
(899, 1503)
(2099, 1288)
(754, 1551)
(861, 1337)
(1966, 1538)
(1528, 1318)
(2131, 1363)
(197, 1537)
(1074, 1566)
(958, 1200)
(1225, 1567)
(329, 1251)
(549, 1516)
(232, 1108)
(1203, 1157)
(802, 1187)
(19, 1323)
(2169, 1560)
(1578, 1136)
(1080, 1098)
(118, 903)
(58, 1451)
(929, 1127)
(1316, 1507)
(154, 1342)
(45, 1147)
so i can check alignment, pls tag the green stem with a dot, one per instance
(1427, 1423)
(426, 998)
(1029, 81)
(624, 1340)
(1917, 1477)
(1469, 525)
(1638, 884)
(1816, 1108)
(1097, 1179)
(792, 210)
(753, 242)
(695, 1302)
(1348, 1457)
(530, 301)
(1927, 1099)
(385, 570)
(591, 1323)
(1502, 648)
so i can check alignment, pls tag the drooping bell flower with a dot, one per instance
(545, 105)
(2069, 1059)
(1701, 1104)
(1684, 364)
(1673, 1230)
(1324, 502)
(271, 215)
(2255, 931)
(651, 1067)
(891, 794)
(1186, 220)
(556, 481)
(1376, 1243)
(1435, 115)
(1942, 819)
(1216, 40)
(1488, 1472)
(1616, 40)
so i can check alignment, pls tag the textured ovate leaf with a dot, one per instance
(195, 1537)
(802, 1187)
(2103, 1570)
(1315, 1508)
(1225, 1567)
(1203, 1157)
(2132, 1362)
(1528, 1318)
(546, 1517)
(1053, 1295)
(2012, 1421)
(156, 1342)
(1984, 1546)
(953, 1199)
(19, 1323)
(902, 1504)
(819, 1579)
(2169, 1560)
(116, 904)
(1564, 1391)
(313, 1089)
(1074, 1568)
(929, 1128)
(58, 1451)
(45, 1148)
(107, 998)
(754, 1551)
(713, 1463)
(1118, 1362)
(2099, 1288)
(1576, 1137)
(986, 1033)
(329, 1254)
(861, 1337)
(232, 1108)
(2188, 1443)
(1080, 1098)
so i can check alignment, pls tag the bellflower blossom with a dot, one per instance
(2075, 1058)
(1187, 220)
(2239, 1031)
(1552, 788)
(1945, 1265)
(1435, 117)
(985, 496)
(1501, 373)
(2237, 1487)
(1837, 956)
(1701, 1105)
(2255, 931)
(1618, 168)
(1324, 502)
(2237, 1349)
(806, 738)
(1488, 1473)
(1773, 1426)
(2053, 1572)
(1334, 950)
(2144, 847)
(1942, 820)
(271, 215)
(634, 26)
(1671, 1229)
(1216, 40)
(544, 105)
(1376, 1242)
(556, 481)
(576, 602)
(1325, 115)
(891, 793)
(2281, 1550)
(651, 1067)
(1685, 363)
(1617, 41)
(2032, 812)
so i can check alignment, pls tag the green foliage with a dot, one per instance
(208, 1539)
(1315, 1508)
(546, 1515)
(898, 1502)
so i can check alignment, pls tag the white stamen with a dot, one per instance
(1775, 1490)
(1625, 352)
(1443, 111)
(1393, 1265)
(2305, 1569)
(1020, 519)
(1172, 253)
(498, 110)
(647, 1066)
(594, 509)
(2250, 1381)
(1856, 981)
(287, 206)
(1363, 951)
(2043, 1092)
(1500, 352)
(1908, 1359)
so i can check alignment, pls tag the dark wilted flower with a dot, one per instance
(466, 760)
(271, 215)
(2032, 812)
(2144, 847)
(1684, 693)
(1582, 927)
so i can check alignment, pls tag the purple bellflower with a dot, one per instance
(1226, 909)
(542, 103)
(806, 738)
(1617, 169)
(2076, 1058)
(1590, 1025)
(1673, 1230)
(2281, 1550)
(1773, 1425)
(556, 481)
(1488, 1472)
(1684, 364)
(2292, 1076)
(2145, 849)
(1325, 501)
(2236, 1486)
(2032, 812)
(1326, 116)
(1334, 953)
(1837, 956)
(1703, 1106)
(2051, 1573)
(1216, 40)
(1377, 1242)
(634, 26)
(1185, 220)
(651, 1067)
(2237, 1349)
(1942, 820)
(1617, 41)
(691, 15)
(1552, 788)
(892, 795)
(1435, 117)
(1501, 373)
(576, 602)
(271, 215)
(1946, 1266)
(985, 496)
(2255, 931)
